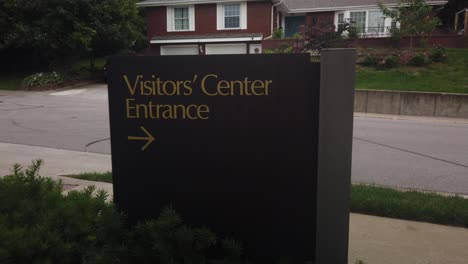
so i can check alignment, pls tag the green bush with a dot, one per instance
(370, 60)
(353, 33)
(40, 225)
(297, 36)
(390, 61)
(43, 78)
(282, 49)
(418, 59)
(438, 54)
(278, 33)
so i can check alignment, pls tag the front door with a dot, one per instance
(292, 24)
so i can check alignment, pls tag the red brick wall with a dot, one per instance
(258, 20)
(156, 21)
(296, 44)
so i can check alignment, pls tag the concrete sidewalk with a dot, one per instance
(57, 162)
(378, 240)
(374, 240)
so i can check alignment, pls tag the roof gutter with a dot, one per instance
(272, 15)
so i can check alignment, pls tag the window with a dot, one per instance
(367, 22)
(341, 20)
(232, 16)
(181, 18)
(358, 20)
(376, 22)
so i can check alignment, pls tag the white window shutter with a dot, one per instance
(170, 19)
(219, 17)
(192, 18)
(243, 17)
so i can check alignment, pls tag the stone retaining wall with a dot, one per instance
(411, 103)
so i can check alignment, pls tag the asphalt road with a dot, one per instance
(427, 154)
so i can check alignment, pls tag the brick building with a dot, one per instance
(198, 27)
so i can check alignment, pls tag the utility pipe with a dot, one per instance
(272, 15)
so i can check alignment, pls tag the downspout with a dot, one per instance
(272, 15)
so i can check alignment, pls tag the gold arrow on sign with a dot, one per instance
(149, 138)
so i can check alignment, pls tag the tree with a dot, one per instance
(117, 26)
(325, 35)
(415, 18)
(53, 31)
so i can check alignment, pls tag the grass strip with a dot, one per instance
(93, 176)
(409, 205)
(383, 201)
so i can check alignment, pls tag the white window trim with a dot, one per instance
(337, 14)
(220, 16)
(171, 19)
(347, 17)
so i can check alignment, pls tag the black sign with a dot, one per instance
(229, 141)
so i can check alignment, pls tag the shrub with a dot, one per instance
(287, 49)
(390, 61)
(405, 56)
(297, 36)
(418, 59)
(282, 49)
(39, 224)
(43, 78)
(278, 33)
(438, 54)
(370, 60)
(353, 33)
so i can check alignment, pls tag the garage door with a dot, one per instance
(237, 48)
(179, 50)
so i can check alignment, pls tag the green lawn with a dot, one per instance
(93, 176)
(409, 205)
(450, 76)
(385, 202)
